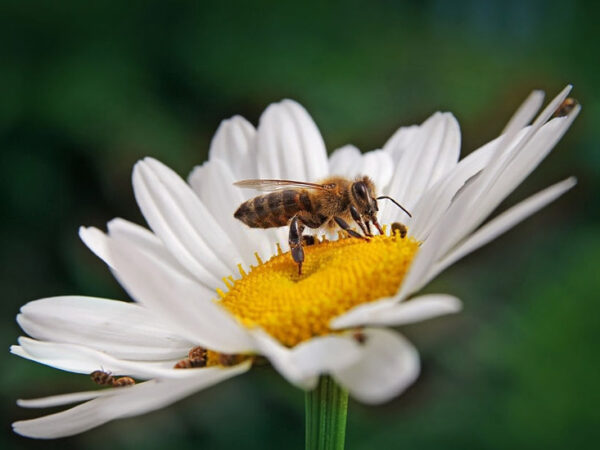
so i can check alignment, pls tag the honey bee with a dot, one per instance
(123, 381)
(106, 379)
(565, 107)
(333, 202)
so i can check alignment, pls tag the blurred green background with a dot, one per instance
(87, 90)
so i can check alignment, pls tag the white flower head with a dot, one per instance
(206, 283)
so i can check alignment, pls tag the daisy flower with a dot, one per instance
(204, 283)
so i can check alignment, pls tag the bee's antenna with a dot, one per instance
(396, 203)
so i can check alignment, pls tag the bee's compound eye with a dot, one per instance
(360, 191)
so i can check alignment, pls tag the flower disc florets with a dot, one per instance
(337, 275)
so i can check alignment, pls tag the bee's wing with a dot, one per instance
(274, 185)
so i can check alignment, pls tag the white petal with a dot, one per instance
(378, 165)
(179, 191)
(400, 142)
(434, 203)
(79, 359)
(389, 365)
(122, 229)
(499, 180)
(525, 112)
(435, 151)
(183, 223)
(393, 313)
(96, 240)
(421, 264)
(514, 124)
(504, 222)
(213, 183)
(289, 145)
(123, 330)
(302, 364)
(233, 144)
(458, 220)
(497, 169)
(348, 162)
(279, 356)
(522, 165)
(100, 242)
(180, 301)
(126, 402)
(314, 152)
(63, 399)
(197, 179)
(468, 210)
(344, 160)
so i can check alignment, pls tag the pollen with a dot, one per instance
(336, 276)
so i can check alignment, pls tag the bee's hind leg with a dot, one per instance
(295, 241)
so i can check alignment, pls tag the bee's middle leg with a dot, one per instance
(344, 226)
(295, 241)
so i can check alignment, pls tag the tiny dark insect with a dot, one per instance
(565, 107)
(359, 337)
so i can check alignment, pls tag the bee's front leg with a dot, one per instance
(358, 219)
(295, 241)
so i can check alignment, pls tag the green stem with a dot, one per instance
(326, 409)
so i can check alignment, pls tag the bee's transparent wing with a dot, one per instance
(274, 185)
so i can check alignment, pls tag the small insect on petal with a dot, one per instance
(565, 107)
(103, 378)
(123, 381)
(183, 364)
(197, 357)
(359, 337)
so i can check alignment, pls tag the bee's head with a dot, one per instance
(362, 193)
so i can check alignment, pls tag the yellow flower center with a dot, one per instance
(336, 276)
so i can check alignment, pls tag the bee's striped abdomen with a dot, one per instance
(274, 209)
